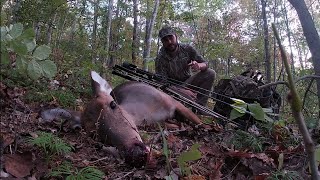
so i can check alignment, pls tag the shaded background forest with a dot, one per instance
(229, 34)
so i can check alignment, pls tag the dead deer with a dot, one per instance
(115, 114)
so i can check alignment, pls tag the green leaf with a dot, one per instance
(28, 34)
(267, 118)
(19, 48)
(31, 44)
(241, 108)
(280, 123)
(256, 111)
(238, 101)
(34, 70)
(191, 155)
(49, 68)
(8, 37)
(42, 52)
(5, 57)
(317, 154)
(3, 33)
(234, 114)
(16, 30)
(165, 144)
(21, 64)
(267, 110)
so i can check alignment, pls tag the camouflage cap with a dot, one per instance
(166, 31)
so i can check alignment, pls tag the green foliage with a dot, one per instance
(244, 140)
(166, 151)
(191, 155)
(31, 60)
(67, 171)
(284, 175)
(14, 79)
(65, 98)
(240, 108)
(50, 143)
(317, 152)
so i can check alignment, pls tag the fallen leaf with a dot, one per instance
(194, 177)
(19, 165)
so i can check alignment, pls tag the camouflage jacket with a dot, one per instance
(177, 67)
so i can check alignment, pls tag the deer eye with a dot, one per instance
(113, 105)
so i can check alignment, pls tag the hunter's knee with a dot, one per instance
(210, 74)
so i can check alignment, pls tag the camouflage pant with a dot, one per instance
(203, 81)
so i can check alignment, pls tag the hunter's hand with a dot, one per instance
(188, 93)
(185, 92)
(197, 66)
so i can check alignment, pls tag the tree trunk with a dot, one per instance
(135, 40)
(50, 28)
(114, 37)
(108, 32)
(60, 32)
(289, 38)
(94, 31)
(312, 37)
(266, 42)
(149, 29)
(73, 29)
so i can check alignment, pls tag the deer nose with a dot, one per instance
(137, 155)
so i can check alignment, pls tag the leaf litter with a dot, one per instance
(215, 157)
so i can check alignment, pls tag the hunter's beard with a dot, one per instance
(172, 47)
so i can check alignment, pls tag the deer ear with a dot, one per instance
(99, 84)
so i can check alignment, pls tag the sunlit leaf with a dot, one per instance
(241, 108)
(34, 69)
(49, 68)
(16, 30)
(280, 123)
(238, 101)
(256, 111)
(31, 44)
(191, 155)
(42, 52)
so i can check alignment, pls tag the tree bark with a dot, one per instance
(135, 40)
(266, 42)
(108, 32)
(50, 28)
(289, 38)
(94, 31)
(149, 29)
(312, 37)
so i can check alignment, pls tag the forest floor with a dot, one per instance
(219, 157)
